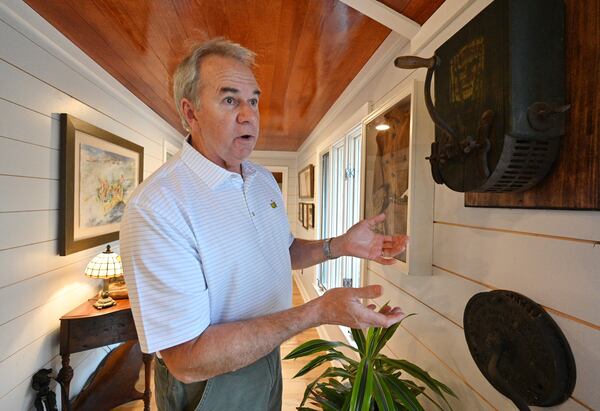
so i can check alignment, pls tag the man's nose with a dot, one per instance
(247, 113)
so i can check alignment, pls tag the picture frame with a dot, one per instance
(98, 173)
(305, 222)
(311, 215)
(306, 182)
(397, 179)
(301, 212)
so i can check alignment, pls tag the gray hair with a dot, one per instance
(186, 79)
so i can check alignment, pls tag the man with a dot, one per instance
(208, 253)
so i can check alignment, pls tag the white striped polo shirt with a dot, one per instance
(200, 246)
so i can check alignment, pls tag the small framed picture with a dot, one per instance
(306, 185)
(311, 215)
(305, 222)
(301, 212)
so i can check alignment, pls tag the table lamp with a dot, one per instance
(105, 265)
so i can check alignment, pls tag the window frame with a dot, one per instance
(338, 154)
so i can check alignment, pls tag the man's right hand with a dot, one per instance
(343, 306)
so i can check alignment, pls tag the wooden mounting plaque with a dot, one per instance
(574, 181)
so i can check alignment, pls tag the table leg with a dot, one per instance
(64, 377)
(147, 367)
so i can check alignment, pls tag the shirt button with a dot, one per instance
(253, 214)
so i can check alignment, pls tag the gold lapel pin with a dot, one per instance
(273, 204)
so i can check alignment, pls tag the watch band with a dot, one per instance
(327, 249)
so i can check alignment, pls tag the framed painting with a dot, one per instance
(99, 171)
(306, 182)
(397, 178)
(311, 215)
(305, 222)
(301, 212)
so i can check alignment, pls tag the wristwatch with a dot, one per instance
(327, 249)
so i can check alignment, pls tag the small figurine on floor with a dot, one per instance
(45, 400)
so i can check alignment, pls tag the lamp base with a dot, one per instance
(104, 301)
(117, 288)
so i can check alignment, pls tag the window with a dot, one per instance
(340, 206)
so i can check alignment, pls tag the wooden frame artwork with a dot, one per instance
(99, 171)
(397, 178)
(311, 215)
(306, 182)
(301, 212)
(305, 222)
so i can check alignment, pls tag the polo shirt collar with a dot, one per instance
(210, 173)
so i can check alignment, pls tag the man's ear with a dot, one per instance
(187, 108)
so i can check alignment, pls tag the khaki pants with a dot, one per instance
(256, 387)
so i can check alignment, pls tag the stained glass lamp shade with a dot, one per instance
(105, 265)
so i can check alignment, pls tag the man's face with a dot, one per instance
(225, 124)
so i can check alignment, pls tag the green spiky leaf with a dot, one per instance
(359, 339)
(314, 346)
(362, 391)
(315, 362)
(387, 333)
(382, 394)
(403, 395)
(436, 386)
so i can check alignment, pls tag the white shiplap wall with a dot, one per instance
(551, 256)
(43, 74)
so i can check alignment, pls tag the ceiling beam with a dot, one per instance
(386, 16)
(443, 17)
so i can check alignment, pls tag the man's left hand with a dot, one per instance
(362, 241)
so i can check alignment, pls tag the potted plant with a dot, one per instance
(374, 382)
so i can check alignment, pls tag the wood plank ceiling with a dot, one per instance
(308, 51)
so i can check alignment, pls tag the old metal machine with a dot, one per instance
(519, 349)
(499, 97)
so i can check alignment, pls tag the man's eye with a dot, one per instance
(253, 102)
(229, 100)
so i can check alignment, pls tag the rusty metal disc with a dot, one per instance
(519, 348)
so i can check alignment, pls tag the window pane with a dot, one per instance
(324, 268)
(340, 194)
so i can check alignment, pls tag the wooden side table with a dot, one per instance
(85, 328)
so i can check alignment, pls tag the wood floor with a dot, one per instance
(293, 389)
